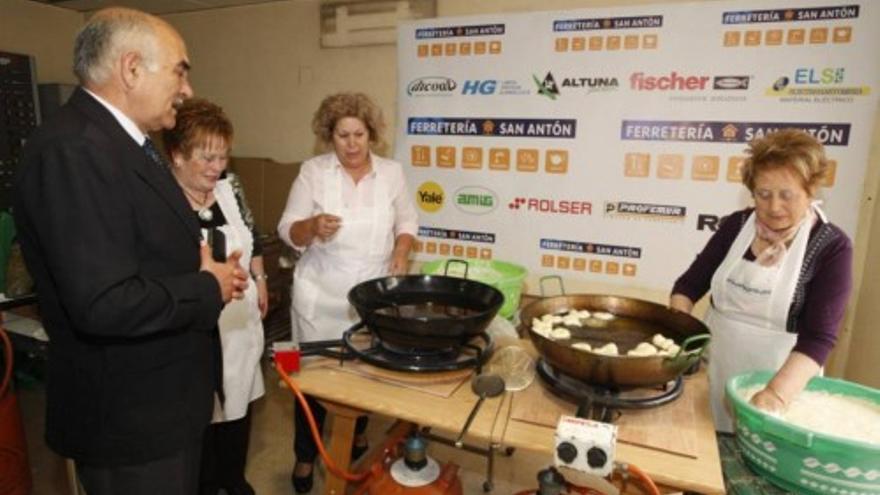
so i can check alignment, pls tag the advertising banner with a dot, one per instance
(605, 144)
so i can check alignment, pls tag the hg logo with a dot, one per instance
(478, 87)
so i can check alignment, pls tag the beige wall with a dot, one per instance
(264, 64)
(42, 31)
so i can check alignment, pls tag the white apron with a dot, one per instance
(241, 328)
(360, 250)
(749, 313)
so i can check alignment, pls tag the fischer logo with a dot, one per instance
(731, 82)
(673, 82)
(555, 206)
(431, 86)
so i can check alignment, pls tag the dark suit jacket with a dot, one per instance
(113, 248)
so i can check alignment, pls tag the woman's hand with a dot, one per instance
(325, 225)
(262, 297)
(769, 400)
(399, 265)
(681, 303)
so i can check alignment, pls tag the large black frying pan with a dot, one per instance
(425, 311)
(636, 321)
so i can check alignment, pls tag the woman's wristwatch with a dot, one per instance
(260, 276)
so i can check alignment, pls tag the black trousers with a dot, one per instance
(177, 474)
(303, 444)
(224, 455)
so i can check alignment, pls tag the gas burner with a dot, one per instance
(364, 345)
(604, 403)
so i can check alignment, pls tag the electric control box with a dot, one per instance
(585, 445)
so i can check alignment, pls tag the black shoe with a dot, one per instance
(303, 484)
(357, 451)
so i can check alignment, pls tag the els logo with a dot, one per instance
(430, 197)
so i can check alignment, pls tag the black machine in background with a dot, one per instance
(19, 115)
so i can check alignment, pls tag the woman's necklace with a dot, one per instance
(205, 214)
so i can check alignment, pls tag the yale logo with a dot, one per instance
(429, 197)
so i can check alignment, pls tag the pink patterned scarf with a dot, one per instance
(772, 255)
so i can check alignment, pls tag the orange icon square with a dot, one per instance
(556, 161)
(422, 51)
(819, 35)
(470, 252)
(596, 43)
(734, 168)
(563, 262)
(420, 156)
(431, 247)
(418, 246)
(578, 44)
(479, 47)
(595, 266)
(547, 260)
(613, 43)
(631, 42)
(446, 156)
(485, 254)
(705, 167)
(451, 49)
(527, 160)
(629, 270)
(649, 41)
(499, 158)
(458, 250)
(636, 165)
(828, 181)
(732, 38)
(471, 157)
(561, 44)
(579, 264)
(670, 166)
(436, 50)
(753, 38)
(612, 267)
(773, 37)
(795, 37)
(494, 47)
(444, 249)
(842, 34)
(464, 48)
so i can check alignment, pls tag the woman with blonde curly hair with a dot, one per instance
(349, 212)
(779, 274)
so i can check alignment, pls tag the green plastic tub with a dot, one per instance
(801, 460)
(504, 276)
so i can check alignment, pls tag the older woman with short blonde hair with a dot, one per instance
(779, 275)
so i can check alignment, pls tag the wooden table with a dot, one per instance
(349, 395)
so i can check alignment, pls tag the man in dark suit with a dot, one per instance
(129, 299)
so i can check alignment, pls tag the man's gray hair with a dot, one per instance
(107, 35)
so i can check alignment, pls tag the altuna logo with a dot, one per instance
(431, 86)
(673, 82)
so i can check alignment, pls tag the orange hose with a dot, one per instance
(328, 462)
(646, 481)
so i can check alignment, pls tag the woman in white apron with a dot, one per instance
(199, 150)
(779, 276)
(350, 214)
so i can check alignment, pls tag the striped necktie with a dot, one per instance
(153, 153)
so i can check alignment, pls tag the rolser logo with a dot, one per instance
(475, 200)
(554, 206)
(639, 211)
(708, 221)
(429, 197)
(548, 87)
(431, 86)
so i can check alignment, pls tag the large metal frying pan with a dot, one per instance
(425, 311)
(636, 321)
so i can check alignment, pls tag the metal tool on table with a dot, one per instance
(484, 385)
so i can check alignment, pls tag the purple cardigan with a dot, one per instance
(822, 290)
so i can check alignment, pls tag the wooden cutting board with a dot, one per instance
(668, 428)
(441, 384)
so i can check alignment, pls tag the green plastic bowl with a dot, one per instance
(800, 460)
(504, 276)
